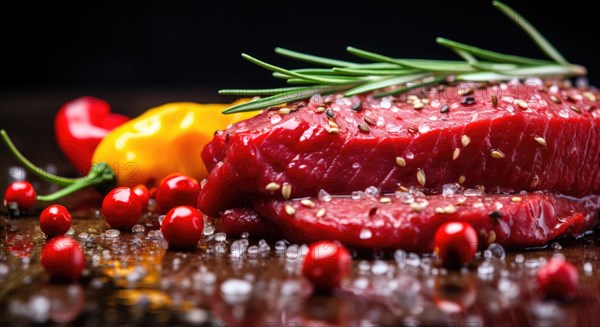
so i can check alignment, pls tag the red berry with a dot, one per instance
(182, 227)
(177, 190)
(55, 220)
(21, 193)
(455, 243)
(558, 279)
(326, 264)
(121, 208)
(142, 192)
(63, 258)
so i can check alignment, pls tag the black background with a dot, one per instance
(137, 55)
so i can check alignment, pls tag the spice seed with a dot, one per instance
(357, 106)
(540, 140)
(497, 154)
(455, 154)
(491, 237)
(418, 105)
(330, 113)
(284, 111)
(461, 179)
(320, 109)
(494, 100)
(364, 127)
(465, 140)
(554, 99)
(286, 191)
(400, 161)
(272, 186)
(421, 177)
(445, 108)
(467, 101)
(576, 109)
(333, 124)
(385, 199)
(535, 181)
(320, 213)
(289, 209)
(307, 203)
(369, 121)
(334, 130)
(515, 199)
(590, 96)
(417, 207)
(522, 104)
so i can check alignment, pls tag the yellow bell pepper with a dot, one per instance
(163, 140)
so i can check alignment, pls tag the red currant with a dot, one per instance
(21, 193)
(558, 279)
(63, 258)
(122, 208)
(55, 220)
(182, 227)
(142, 192)
(177, 190)
(455, 243)
(326, 265)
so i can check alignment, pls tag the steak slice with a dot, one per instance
(234, 222)
(530, 140)
(405, 221)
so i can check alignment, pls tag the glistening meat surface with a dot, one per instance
(408, 221)
(531, 138)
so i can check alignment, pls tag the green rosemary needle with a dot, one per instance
(386, 75)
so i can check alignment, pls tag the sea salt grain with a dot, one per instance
(236, 291)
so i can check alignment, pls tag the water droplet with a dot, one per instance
(392, 128)
(372, 191)
(83, 236)
(39, 308)
(280, 246)
(413, 260)
(556, 246)
(365, 234)
(357, 195)
(220, 248)
(405, 197)
(485, 269)
(508, 288)
(238, 248)
(70, 232)
(324, 196)
(379, 267)
(4, 269)
(588, 268)
(364, 266)
(196, 316)
(563, 113)
(275, 119)
(361, 283)
(409, 155)
(253, 251)
(292, 253)
(245, 235)
(236, 291)
(220, 237)
(356, 165)
(519, 259)
(473, 192)
(138, 229)
(496, 251)
(160, 219)
(112, 233)
(449, 190)
(424, 128)
(208, 230)
(400, 257)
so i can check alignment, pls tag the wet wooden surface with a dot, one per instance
(132, 279)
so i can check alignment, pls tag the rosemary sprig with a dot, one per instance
(388, 76)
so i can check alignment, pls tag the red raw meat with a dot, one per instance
(531, 219)
(533, 139)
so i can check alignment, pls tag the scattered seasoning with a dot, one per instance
(491, 237)
(497, 154)
(461, 200)
(466, 91)
(590, 96)
(412, 98)
(284, 111)
(467, 101)
(540, 140)
(421, 177)
(299, 106)
(576, 109)
(535, 181)
(522, 104)
(496, 214)
(307, 203)
(400, 161)
(447, 210)
(385, 199)
(465, 140)
(445, 109)
(320, 213)
(286, 190)
(369, 121)
(455, 154)
(364, 128)
(333, 124)
(554, 99)
(330, 113)
(412, 130)
(320, 109)
(417, 206)
(289, 210)
(515, 199)
(357, 106)
(571, 98)
(373, 211)
(461, 179)
(418, 105)
(403, 188)
(494, 100)
(272, 186)
(334, 130)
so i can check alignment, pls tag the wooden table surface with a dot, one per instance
(133, 280)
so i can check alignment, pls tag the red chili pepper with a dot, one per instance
(455, 243)
(182, 227)
(121, 208)
(55, 220)
(80, 125)
(63, 258)
(558, 279)
(177, 190)
(20, 193)
(326, 265)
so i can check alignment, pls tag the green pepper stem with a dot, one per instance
(58, 180)
(99, 174)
